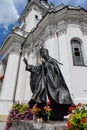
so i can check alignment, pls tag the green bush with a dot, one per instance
(19, 111)
(78, 117)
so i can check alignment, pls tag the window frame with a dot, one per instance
(78, 60)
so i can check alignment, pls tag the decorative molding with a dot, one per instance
(73, 20)
(61, 29)
(15, 48)
(20, 30)
(33, 47)
(52, 29)
(83, 28)
(26, 49)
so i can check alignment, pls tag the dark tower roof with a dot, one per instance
(40, 0)
(46, 1)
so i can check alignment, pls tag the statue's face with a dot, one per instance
(44, 53)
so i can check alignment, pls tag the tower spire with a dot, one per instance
(46, 1)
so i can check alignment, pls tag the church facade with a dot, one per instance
(63, 31)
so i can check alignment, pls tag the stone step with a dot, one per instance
(32, 125)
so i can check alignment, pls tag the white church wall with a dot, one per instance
(21, 81)
(8, 87)
(5, 106)
(31, 21)
(52, 46)
(65, 60)
(85, 49)
(78, 74)
(10, 76)
(32, 60)
(23, 91)
(1, 69)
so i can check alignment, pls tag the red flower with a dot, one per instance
(68, 124)
(71, 109)
(47, 108)
(79, 104)
(85, 119)
(36, 110)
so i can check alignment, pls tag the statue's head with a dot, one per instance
(44, 53)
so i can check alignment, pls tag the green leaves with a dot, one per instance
(20, 108)
(19, 111)
(78, 118)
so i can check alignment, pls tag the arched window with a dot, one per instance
(77, 53)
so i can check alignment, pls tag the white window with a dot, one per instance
(77, 53)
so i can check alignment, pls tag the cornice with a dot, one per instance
(9, 42)
(47, 24)
(15, 48)
(83, 28)
(20, 32)
(33, 47)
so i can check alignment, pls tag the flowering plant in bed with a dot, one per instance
(19, 111)
(36, 111)
(47, 110)
(78, 117)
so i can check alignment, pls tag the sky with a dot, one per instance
(10, 10)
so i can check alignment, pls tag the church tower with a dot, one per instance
(32, 14)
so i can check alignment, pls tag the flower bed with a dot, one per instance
(19, 111)
(78, 117)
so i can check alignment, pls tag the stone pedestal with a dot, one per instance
(31, 125)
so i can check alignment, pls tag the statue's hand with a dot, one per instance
(25, 61)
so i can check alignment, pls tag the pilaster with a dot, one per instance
(21, 81)
(9, 82)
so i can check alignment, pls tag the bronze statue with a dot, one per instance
(47, 82)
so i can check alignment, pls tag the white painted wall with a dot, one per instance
(21, 81)
(1, 69)
(10, 77)
(5, 106)
(31, 21)
(6, 96)
(32, 60)
(78, 74)
(23, 91)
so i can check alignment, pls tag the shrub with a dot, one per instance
(78, 117)
(19, 111)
